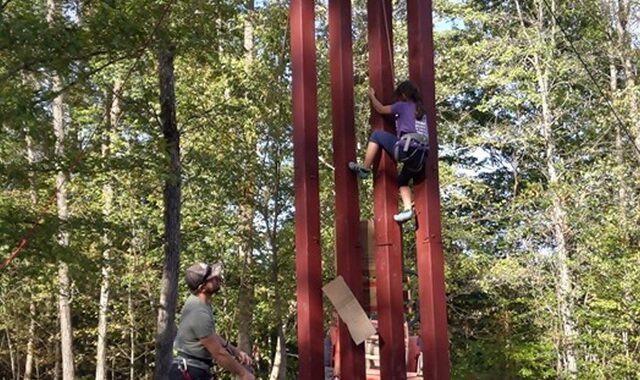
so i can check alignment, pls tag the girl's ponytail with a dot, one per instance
(420, 112)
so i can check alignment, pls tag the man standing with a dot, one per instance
(197, 344)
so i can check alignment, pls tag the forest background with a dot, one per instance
(140, 136)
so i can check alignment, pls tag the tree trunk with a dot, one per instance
(279, 368)
(62, 178)
(113, 112)
(132, 335)
(248, 34)
(28, 365)
(56, 367)
(545, 38)
(630, 75)
(621, 12)
(560, 229)
(31, 158)
(134, 248)
(246, 291)
(66, 336)
(12, 358)
(564, 288)
(619, 146)
(165, 332)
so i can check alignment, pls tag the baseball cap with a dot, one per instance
(199, 273)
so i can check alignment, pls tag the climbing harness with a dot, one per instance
(182, 366)
(183, 361)
(411, 144)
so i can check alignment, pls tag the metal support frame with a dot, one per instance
(348, 247)
(307, 194)
(430, 261)
(388, 239)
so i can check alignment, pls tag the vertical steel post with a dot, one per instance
(387, 231)
(433, 307)
(307, 196)
(348, 247)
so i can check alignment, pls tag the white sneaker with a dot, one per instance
(403, 216)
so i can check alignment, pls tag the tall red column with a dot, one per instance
(388, 241)
(348, 249)
(433, 306)
(307, 196)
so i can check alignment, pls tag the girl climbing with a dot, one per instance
(408, 146)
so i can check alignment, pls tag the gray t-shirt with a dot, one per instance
(196, 322)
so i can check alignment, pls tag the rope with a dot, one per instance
(24, 241)
(388, 33)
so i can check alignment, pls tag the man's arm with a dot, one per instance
(214, 344)
(237, 353)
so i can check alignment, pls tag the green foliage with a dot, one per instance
(234, 117)
(497, 195)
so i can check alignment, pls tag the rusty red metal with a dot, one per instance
(388, 241)
(348, 247)
(387, 236)
(307, 197)
(430, 261)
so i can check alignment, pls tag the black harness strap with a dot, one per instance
(417, 143)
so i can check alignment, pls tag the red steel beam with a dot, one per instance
(307, 195)
(348, 248)
(430, 261)
(387, 232)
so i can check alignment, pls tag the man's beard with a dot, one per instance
(212, 291)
